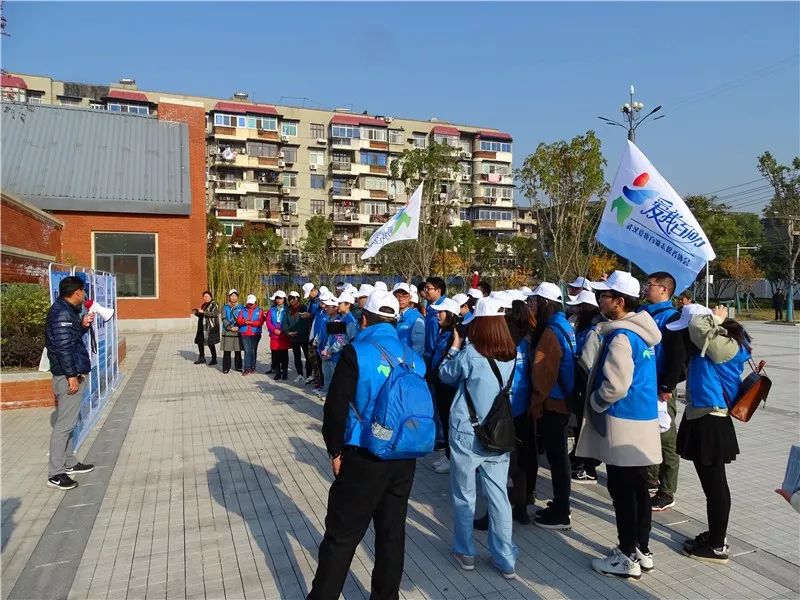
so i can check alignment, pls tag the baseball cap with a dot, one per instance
(689, 311)
(518, 295)
(251, 299)
(233, 291)
(475, 293)
(581, 282)
(584, 297)
(278, 294)
(448, 305)
(489, 307)
(461, 299)
(548, 290)
(294, 294)
(415, 297)
(365, 290)
(323, 290)
(505, 300)
(382, 299)
(349, 287)
(330, 300)
(307, 287)
(526, 290)
(401, 287)
(413, 288)
(621, 282)
(380, 285)
(346, 297)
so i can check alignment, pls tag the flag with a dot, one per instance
(402, 226)
(647, 222)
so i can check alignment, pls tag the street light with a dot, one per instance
(631, 111)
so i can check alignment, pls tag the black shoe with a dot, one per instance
(520, 515)
(200, 361)
(706, 553)
(225, 371)
(662, 501)
(481, 524)
(238, 369)
(80, 469)
(213, 362)
(278, 377)
(550, 520)
(549, 509)
(652, 485)
(269, 371)
(62, 481)
(699, 540)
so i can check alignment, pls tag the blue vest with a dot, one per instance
(440, 348)
(662, 313)
(276, 316)
(406, 322)
(521, 388)
(231, 312)
(373, 370)
(350, 323)
(314, 306)
(432, 327)
(706, 381)
(640, 403)
(566, 368)
(252, 314)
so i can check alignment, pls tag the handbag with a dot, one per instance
(496, 433)
(753, 390)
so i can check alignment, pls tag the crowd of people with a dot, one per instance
(598, 362)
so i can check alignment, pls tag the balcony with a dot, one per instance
(485, 225)
(264, 135)
(229, 186)
(339, 167)
(346, 241)
(342, 143)
(344, 193)
(494, 179)
(270, 188)
(498, 202)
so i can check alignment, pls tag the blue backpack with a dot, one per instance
(402, 424)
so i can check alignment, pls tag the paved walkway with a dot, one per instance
(214, 486)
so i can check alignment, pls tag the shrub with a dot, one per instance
(23, 310)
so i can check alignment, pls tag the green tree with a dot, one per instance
(317, 258)
(561, 180)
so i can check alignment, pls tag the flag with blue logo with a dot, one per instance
(402, 226)
(647, 222)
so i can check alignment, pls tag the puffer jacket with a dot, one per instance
(63, 337)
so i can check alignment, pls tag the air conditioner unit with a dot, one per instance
(312, 167)
(284, 138)
(285, 217)
(286, 190)
(281, 163)
(280, 155)
(391, 196)
(322, 141)
(466, 155)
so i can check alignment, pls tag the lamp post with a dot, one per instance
(631, 111)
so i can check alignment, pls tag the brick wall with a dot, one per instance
(30, 240)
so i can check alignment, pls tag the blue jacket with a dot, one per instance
(373, 370)
(63, 336)
(706, 381)
(432, 328)
(469, 368)
(562, 329)
(318, 335)
(521, 388)
(440, 348)
(314, 306)
(411, 330)
(662, 313)
(335, 343)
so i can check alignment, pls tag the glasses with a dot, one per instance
(605, 295)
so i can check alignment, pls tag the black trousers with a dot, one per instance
(628, 489)
(280, 362)
(718, 501)
(299, 350)
(552, 430)
(201, 351)
(226, 360)
(779, 313)
(444, 395)
(367, 489)
(524, 461)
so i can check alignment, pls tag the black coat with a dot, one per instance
(63, 337)
(208, 325)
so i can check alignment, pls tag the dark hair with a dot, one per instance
(518, 319)
(630, 304)
(688, 295)
(471, 303)
(586, 317)
(207, 292)
(484, 286)
(545, 309)
(450, 321)
(438, 283)
(69, 285)
(665, 279)
(738, 333)
(492, 339)
(375, 319)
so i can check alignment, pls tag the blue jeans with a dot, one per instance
(466, 455)
(250, 347)
(328, 367)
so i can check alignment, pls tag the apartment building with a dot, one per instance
(277, 166)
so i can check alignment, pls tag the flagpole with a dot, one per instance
(707, 283)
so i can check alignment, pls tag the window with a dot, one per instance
(36, 97)
(375, 183)
(230, 228)
(317, 131)
(465, 168)
(289, 207)
(290, 154)
(225, 120)
(344, 131)
(70, 101)
(466, 145)
(317, 182)
(495, 146)
(97, 106)
(133, 109)
(267, 177)
(289, 179)
(316, 157)
(396, 136)
(465, 192)
(397, 188)
(265, 123)
(374, 134)
(318, 207)
(374, 208)
(262, 149)
(463, 214)
(499, 193)
(494, 168)
(340, 186)
(289, 128)
(132, 258)
(373, 158)
(494, 215)
(13, 94)
(446, 139)
(419, 140)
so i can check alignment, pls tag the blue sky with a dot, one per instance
(725, 73)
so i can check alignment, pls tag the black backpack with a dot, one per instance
(496, 433)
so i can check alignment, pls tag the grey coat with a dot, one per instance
(231, 342)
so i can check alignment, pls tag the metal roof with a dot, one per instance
(73, 159)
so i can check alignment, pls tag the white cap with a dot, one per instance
(251, 299)
(526, 290)
(585, 297)
(475, 293)
(489, 307)
(365, 290)
(461, 299)
(415, 297)
(330, 300)
(548, 290)
(582, 283)
(294, 294)
(380, 285)
(278, 294)
(412, 287)
(621, 282)
(505, 300)
(689, 311)
(382, 299)
(233, 291)
(349, 287)
(448, 304)
(323, 290)
(307, 287)
(401, 287)
(518, 295)
(346, 297)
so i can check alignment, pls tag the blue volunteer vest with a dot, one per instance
(566, 368)
(252, 314)
(521, 388)
(406, 323)
(231, 312)
(348, 320)
(432, 327)
(443, 341)
(662, 313)
(706, 381)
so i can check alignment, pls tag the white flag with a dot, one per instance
(402, 226)
(647, 222)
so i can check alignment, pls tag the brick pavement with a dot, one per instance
(220, 486)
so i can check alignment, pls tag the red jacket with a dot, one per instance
(278, 340)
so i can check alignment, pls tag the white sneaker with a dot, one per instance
(617, 564)
(645, 560)
(309, 379)
(443, 466)
(298, 379)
